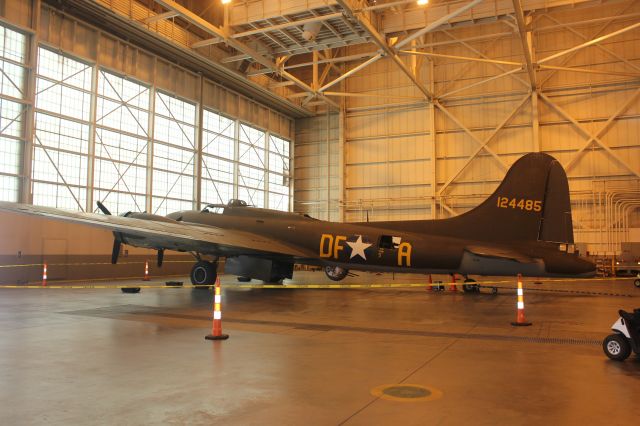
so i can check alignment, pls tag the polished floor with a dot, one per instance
(316, 356)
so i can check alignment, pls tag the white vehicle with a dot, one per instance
(626, 336)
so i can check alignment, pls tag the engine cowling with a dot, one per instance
(335, 273)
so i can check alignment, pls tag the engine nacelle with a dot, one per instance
(335, 273)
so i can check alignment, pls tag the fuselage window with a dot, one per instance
(389, 242)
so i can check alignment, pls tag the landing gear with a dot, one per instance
(470, 288)
(637, 283)
(335, 273)
(203, 274)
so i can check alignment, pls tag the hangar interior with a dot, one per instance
(346, 110)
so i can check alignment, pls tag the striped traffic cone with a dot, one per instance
(453, 287)
(44, 275)
(216, 329)
(146, 271)
(430, 285)
(520, 321)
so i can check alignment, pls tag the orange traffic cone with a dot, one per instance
(430, 285)
(520, 321)
(146, 271)
(44, 275)
(453, 286)
(216, 329)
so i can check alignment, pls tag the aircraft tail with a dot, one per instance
(531, 204)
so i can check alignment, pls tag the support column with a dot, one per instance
(535, 121)
(24, 188)
(198, 146)
(431, 111)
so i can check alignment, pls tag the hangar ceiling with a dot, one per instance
(294, 54)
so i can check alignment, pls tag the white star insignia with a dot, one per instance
(358, 247)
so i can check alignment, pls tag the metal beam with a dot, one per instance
(587, 134)
(526, 51)
(435, 24)
(239, 46)
(206, 42)
(470, 133)
(591, 42)
(484, 144)
(479, 53)
(478, 83)
(605, 127)
(566, 60)
(462, 58)
(287, 25)
(351, 72)
(381, 42)
(159, 17)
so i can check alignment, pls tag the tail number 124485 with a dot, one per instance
(522, 204)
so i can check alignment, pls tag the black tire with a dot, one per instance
(244, 279)
(616, 347)
(470, 288)
(637, 283)
(335, 273)
(130, 290)
(203, 274)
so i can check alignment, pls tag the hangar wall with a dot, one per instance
(404, 159)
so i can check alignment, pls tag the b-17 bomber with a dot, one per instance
(524, 227)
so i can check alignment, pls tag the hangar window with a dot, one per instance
(218, 153)
(279, 172)
(61, 137)
(121, 143)
(174, 151)
(251, 170)
(12, 90)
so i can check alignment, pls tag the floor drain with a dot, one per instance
(406, 393)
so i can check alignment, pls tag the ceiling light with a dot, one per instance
(422, 2)
(225, 1)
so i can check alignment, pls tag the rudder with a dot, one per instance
(532, 203)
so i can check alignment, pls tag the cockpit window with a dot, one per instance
(211, 208)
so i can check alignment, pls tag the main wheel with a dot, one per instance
(616, 347)
(335, 273)
(637, 283)
(470, 288)
(203, 273)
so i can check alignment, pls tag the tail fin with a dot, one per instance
(531, 204)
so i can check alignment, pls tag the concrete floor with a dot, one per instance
(313, 357)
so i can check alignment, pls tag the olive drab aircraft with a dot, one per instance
(524, 227)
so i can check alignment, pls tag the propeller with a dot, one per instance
(117, 240)
(103, 209)
(117, 236)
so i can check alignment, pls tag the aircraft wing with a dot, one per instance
(500, 253)
(168, 234)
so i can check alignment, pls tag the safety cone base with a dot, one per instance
(521, 324)
(220, 337)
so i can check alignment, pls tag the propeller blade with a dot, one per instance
(103, 209)
(160, 257)
(116, 250)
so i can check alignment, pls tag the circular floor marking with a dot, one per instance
(406, 393)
